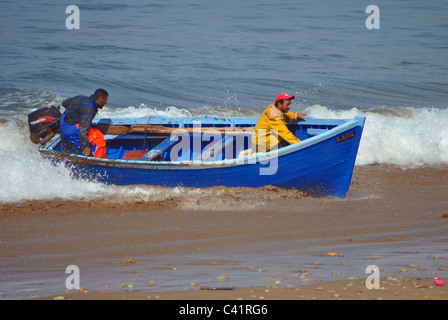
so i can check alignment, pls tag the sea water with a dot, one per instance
(225, 58)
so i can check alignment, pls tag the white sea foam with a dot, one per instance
(142, 111)
(25, 175)
(407, 137)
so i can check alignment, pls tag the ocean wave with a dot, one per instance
(406, 137)
(144, 111)
(16, 101)
(26, 175)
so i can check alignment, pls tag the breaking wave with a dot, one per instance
(406, 137)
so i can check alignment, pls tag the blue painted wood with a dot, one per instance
(153, 153)
(214, 150)
(321, 164)
(314, 132)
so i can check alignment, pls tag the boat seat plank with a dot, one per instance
(207, 149)
(157, 150)
(218, 146)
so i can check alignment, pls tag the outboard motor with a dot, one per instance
(44, 124)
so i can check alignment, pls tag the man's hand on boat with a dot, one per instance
(87, 151)
(301, 116)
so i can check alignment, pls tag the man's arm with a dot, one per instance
(293, 116)
(84, 126)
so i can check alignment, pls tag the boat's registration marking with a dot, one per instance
(345, 137)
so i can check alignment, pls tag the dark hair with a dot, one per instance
(279, 101)
(100, 93)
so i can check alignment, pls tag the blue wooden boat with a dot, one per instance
(211, 151)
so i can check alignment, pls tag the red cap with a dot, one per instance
(283, 96)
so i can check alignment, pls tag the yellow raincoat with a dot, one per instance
(271, 129)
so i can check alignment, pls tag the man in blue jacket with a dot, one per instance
(77, 119)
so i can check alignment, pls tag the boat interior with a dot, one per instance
(165, 143)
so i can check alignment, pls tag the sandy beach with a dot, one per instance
(391, 289)
(248, 244)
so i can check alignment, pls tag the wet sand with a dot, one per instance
(249, 240)
(390, 289)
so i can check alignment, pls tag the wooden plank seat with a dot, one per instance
(213, 148)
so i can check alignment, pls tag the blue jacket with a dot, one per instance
(82, 110)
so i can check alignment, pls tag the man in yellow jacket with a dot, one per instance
(274, 119)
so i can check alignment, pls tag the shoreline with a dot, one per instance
(390, 288)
